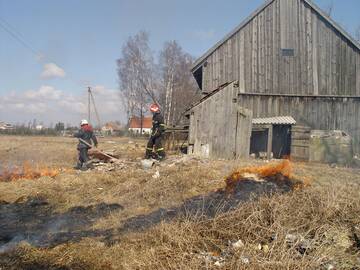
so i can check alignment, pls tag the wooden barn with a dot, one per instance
(287, 59)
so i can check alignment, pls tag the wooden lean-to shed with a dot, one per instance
(288, 58)
(219, 127)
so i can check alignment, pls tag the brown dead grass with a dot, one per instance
(320, 215)
(325, 214)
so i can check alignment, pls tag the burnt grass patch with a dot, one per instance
(35, 221)
(208, 206)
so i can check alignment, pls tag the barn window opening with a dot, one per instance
(198, 74)
(288, 52)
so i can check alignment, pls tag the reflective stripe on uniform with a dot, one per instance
(162, 125)
(160, 149)
(149, 149)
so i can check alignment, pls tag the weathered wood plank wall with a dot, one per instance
(219, 127)
(325, 62)
(316, 112)
(300, 142)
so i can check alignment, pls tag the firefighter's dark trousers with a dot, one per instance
(83, 157)
(158, 152)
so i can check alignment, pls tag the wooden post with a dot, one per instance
(269, 142)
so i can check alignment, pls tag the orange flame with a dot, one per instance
(282, 171)
(27, 171)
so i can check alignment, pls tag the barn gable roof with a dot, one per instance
(318, 10)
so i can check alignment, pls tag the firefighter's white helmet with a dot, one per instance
(84, 122)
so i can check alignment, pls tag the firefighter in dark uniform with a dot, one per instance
(85, 133)
(157, 133)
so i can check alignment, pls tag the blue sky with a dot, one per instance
(84, 38)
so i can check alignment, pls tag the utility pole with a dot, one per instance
(92, 100)
(89, 93)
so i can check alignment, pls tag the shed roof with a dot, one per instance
(278, 120)
(199, 61)
(207, 96)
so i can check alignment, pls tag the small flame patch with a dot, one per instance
(277, 172)
(27, 171)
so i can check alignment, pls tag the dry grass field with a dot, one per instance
(173, 216)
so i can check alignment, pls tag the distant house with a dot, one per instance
(6, 126)
(135, 125)
(39, 127)
(111, 128)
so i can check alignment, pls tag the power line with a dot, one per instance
(13, 32)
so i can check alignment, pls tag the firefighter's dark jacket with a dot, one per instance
(87, 134)
(158, 126)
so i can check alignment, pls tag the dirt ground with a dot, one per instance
(172, 216)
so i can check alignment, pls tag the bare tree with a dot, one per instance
(136, 75)
(178, 88)
(357, 33)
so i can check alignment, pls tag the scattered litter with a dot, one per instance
(329, 266)
(219, 264)
(291, 238)
(156, 175)
(100, 188)
(112, 165)
(212, 257)
(301, 244)
(265, 249)
(238, 244)
(182, 160)
(244, 260)
(147, 163)
(304, 246)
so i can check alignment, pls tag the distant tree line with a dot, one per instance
(165, 79)
(30, 130)
(26, 131)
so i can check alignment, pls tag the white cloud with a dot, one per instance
(37, 108)
(46, 92)
(51, 105)
(73, 106)
(51, 70)
(19, 105)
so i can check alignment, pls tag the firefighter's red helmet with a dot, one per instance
(154, 108)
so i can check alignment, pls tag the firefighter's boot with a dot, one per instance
(78, 166)
(148, 153)
(160, 154)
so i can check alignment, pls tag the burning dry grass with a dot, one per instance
(27, 171)
(278, 172)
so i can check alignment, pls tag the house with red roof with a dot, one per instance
(136, 124)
